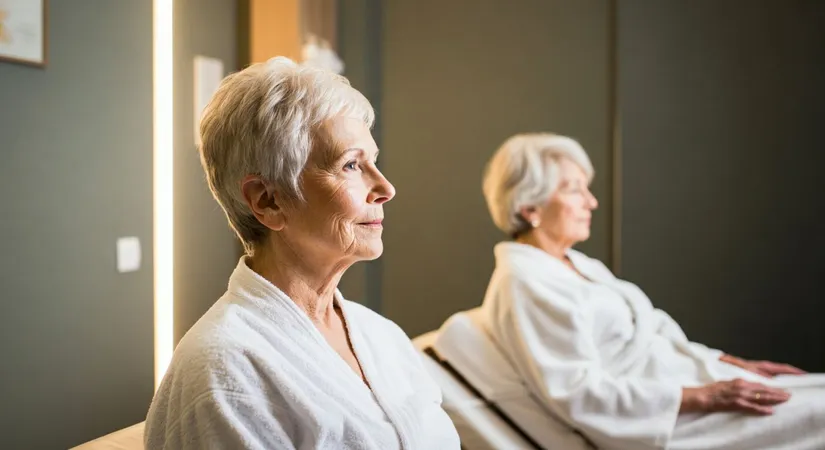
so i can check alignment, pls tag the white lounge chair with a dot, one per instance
(483, 394)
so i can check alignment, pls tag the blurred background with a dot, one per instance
(705, 121)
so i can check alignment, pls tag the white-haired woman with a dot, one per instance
(282, 361)
(594, 349)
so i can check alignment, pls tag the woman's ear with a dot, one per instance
(261, 199)
(531, 215)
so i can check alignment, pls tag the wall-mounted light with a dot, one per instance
(163, 157)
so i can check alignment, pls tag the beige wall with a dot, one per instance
(278, 27)
(274, 29)
(206, 249)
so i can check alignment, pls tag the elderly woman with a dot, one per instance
(282, 361)
(595, 351)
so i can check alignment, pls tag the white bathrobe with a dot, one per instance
(255, 373)
(605, 361)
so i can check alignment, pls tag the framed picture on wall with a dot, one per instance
(23, 29)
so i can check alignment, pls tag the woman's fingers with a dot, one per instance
(760, 371)
(767, 396)
(745, 396)
(750, 407)
(778, 369)
(756, 397)
(786, 369)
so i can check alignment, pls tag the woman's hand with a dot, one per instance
(733, 396)
(764, 368)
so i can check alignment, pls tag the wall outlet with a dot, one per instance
(128, 254)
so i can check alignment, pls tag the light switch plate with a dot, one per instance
(128, 254)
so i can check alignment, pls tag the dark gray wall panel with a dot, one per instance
(723, 107)
(75, 174)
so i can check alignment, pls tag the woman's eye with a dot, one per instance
(352, 165)
(577, 188)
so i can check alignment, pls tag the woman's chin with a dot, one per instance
(371, 251)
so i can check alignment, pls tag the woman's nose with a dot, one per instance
(383, 191)
(593, 202)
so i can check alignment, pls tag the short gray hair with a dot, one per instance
(524, 172)
(263, 120)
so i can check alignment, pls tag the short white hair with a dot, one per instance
(524, 172)
(264, 120)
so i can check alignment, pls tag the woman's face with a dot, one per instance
(566, 216)
(344, 192)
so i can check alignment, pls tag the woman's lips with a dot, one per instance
(378, 223)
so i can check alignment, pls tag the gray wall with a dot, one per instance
(206, 250)
(76, 143)
(459, 78)
(723, 107)
(76, 173)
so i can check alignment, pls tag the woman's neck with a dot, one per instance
(553, 247)
(310, 285)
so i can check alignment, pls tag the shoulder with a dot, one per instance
(218, 354)
(529, 292)
(225, 366)
(527, 285)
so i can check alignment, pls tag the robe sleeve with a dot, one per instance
(668, 327)
(551, 333)
(223, 420)
(672, 331)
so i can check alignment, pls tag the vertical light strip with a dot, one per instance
(163, 184)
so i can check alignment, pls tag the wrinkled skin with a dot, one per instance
(338, 222)
(344, 191)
